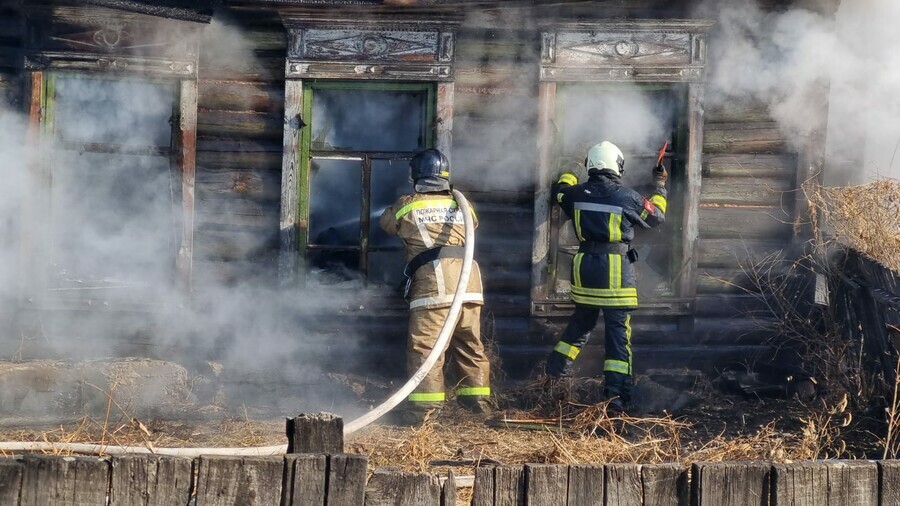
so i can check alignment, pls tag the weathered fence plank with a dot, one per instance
(546, 484)
(346, 480)
(390, 487)
(448, 491)
(509, 486)
(10, 480)
(64, 481)
(586, 485)
(889, 471)
(304, 479)
(483, 492)
(665, 485)
(800, 483)
(315, 433)
(732, 483)
(144, 480)
(853, 483)
(623, 484)
(239, 480)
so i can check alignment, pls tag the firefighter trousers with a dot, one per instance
(617, 366)
(467, 362)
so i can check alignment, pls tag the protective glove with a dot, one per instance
(567, 179)
(660, 175)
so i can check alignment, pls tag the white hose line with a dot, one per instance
(389, 404)
(446, 331)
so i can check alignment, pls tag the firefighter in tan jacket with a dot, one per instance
(430, 224)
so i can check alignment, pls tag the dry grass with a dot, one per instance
(866, 217)
(589, 437)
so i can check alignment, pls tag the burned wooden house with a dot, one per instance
(266, 136)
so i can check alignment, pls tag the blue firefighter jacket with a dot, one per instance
(604, 214)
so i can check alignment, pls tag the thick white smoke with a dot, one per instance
(107, 242)
(12, 173)
(789, 59)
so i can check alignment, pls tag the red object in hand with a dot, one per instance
(662, 153)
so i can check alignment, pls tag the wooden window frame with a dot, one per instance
(366, 157)
(54, 45)
(638, 51)
(390, 50)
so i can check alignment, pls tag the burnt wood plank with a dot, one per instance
(782, 166)
(744, 138)
(800, 484)
(315, 433)
(736, 252)
(665, 485)
(150, 480)
(290, 181)
(546, 484)
(725, 280)
(889, 474)
(509, 486)
(746, 222)
(240, 124)
(693, 194)
(246, 161)
(225, 481)
(448, 490)
(586, 485)
(389, 487)
(748, 191)
(231, 96)
(346, 480)
(483, 492)
(64, 481)
(732, 483)
(304, 479)
(11, 471)
(852, 482)
(623, 484)
(262, 185)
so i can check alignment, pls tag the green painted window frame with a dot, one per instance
(307, 154)
(676, 186)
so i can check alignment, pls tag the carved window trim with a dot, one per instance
(96, 39)
(634, 51)
(377, 49)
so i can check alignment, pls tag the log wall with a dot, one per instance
(239, 145)
(341, 480)
(749, 175)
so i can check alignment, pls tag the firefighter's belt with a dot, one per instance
(602, 248)
(430, 255)
(605, 248)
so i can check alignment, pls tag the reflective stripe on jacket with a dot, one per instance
(604, 211)
(430, 220)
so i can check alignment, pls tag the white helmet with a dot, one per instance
(605, 156)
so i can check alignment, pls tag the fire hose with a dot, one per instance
(364, 420)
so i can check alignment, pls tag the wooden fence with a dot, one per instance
(343, 480)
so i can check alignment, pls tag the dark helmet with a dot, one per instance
(429, 163)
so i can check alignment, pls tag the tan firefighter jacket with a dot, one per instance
(429, 220)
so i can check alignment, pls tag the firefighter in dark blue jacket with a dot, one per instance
(604, 214)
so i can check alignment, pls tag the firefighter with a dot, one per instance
(430, 225)
(605, 213)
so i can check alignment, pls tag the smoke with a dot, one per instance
(107, 241)
(795, 60)
(12, 170)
